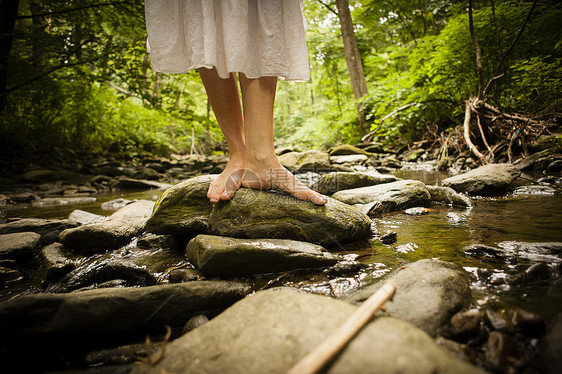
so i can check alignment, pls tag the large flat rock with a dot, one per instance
(258, 214)
(223, 256)
(386, 197)
(308, 160)
(337, 181)
(270, 331)
(183, 209)
(19, 244)
(111, 233)
(428, 293)
(492, 179)
(115, 310)
(49, 229)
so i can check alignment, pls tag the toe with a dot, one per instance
(318, 199)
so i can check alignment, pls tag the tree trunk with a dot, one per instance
(353, 59)
(8, 14)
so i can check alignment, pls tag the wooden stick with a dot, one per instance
(334, 343)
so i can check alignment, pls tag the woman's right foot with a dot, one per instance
(270, 174)
(228, 182)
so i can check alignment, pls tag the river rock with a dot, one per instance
(390, 196)
(155, 242)
(55, 262)
(308, 160)
(124, 183)
(258, 214)
(183, 209)
(447, 195)
(534, 190)
(115, 310)
(54, 201)
(351, 159)
(112, 233)
(337, 181)
(549, 360)
(230, 257)
(49, 229)
(19, 245)
(271, 330)
(346, 149)
(81, 217)
(91, 274)
(492, 179)
(534, 251)
(428, 293)
(115, 204)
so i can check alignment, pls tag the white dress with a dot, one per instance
(256, 37)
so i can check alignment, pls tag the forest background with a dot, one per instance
(75, 78)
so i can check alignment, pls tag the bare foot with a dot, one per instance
(228, 182)
(272, 175)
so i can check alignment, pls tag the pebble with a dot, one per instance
(466, 324)
(195, 322)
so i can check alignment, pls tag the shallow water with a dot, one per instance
(440, 234)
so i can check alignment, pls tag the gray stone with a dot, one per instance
(393, 196)
(447, 195)
(18, 245)
(261, 214)
(337, 181)
(49, 229)
(486, 180)
(308, 160)
(534, 190)
(194, 323)
(81, 217)
(352, 159)
(228, 257)
(183, 209)
(112, 233)
(152, 241)
(428, 293)
(270, 331)
(346, 149)
(116, 310)
(124, 183)
(55, 262)
(115, 204)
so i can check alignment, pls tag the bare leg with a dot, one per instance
(263, 168)
(225, 100)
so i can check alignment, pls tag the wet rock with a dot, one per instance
(466, 325)
(263, 334)
(549, 360)
(183, 209)
(554, 167)
(546, 251)
(534, 274)
(337, 181)
(183, 275)
(346, 149)
(406, 248)
(413, 155)
(534, 190)
(19, 245)
(391, 162)
(152, 241)
(498, 321)
(55, 262)
(458, 350)
(146, 174)
(498, 348)
(372, 147)
(124, 183)
(428, 293)
(9, 273)
(456, 218)
(447, 195)
(263, 214)
(389, 237)
(417, 211)
(352, 159)
(485, 253)
(81, 217)
(111, 233)
(115, 204)
(393, 196)
(527, 322)
(92, 274)
(54, 201)
(115, 310)
(345, 267)
(49, 229)
(194, 322)
(492, 179)
(308, 160)
(24, 197)
(223, 256)
(5, 200)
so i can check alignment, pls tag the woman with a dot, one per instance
(258, 39)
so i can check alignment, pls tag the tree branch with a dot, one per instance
(328, 7)
(466, 127)
(371, 133)
(513, 42)
(78, 8)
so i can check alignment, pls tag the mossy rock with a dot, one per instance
(183, 209)
(263, 214)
